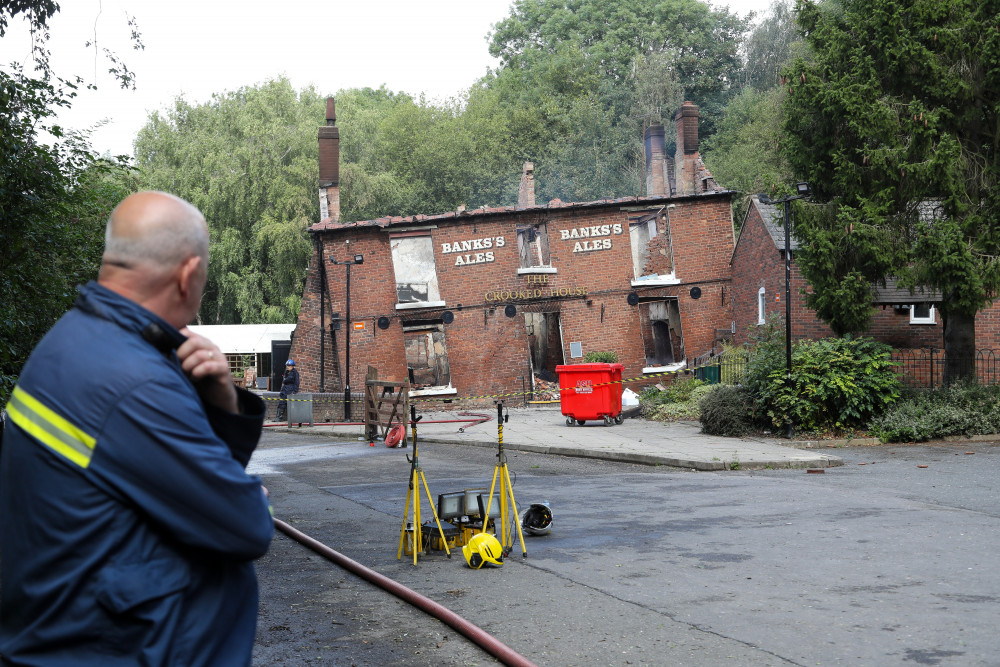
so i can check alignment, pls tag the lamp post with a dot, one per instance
(803, 191)
(358, 259)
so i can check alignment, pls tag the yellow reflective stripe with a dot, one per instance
(49, 428)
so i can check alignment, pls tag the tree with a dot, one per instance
(770, 45)
(745, 153)
(55, 194)
(703, 43)
(894, 121)
(247, 159)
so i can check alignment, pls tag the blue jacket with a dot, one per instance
(290, 382)
(127, 521)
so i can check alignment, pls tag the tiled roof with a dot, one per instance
(329, 225)
(774, 222)
(892, 293)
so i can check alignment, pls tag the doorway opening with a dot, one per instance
(545, 347)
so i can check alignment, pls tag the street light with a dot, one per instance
(803, 191)
(358, 259)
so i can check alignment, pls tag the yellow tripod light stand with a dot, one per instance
(506, 492)
(411, 529)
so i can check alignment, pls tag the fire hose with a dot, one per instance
(477, 635)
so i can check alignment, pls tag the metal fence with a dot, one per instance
(917, 367)
(925, 368)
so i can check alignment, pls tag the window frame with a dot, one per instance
(931, 316)
(433, 286)
(526, 248)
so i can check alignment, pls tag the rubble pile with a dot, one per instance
(545, 390)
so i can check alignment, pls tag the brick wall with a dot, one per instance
(488, 351)
(758, 263)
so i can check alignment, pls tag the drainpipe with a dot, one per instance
(322, 311)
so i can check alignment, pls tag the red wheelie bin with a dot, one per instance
(589, 392)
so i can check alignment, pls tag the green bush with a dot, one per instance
(679, 400)
(605, 357)
(928, 414)
(726, 410)
(836, 383)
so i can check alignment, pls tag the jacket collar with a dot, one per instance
(99, 301)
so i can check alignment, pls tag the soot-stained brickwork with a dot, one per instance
(587, 282)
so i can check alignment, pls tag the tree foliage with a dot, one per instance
(702, 42)
(592, 75)
(55, 195)
(770, 45)
(247, 159)
(744, 154)
(894, 120)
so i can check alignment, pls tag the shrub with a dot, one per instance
(605, 357)
(835, 383)
(679, 400)
(726, 410)
(928, 414)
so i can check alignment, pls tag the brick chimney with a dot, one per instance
(526, 192)
(686, 158)
(329, 165)
(656, 166)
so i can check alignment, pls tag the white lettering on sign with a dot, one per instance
(472, 245)
(594, 231)
(478, 258)
(590, 246)
(584, 387)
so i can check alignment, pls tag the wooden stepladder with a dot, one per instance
(387, 402)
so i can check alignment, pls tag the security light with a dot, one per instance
(359, 259)
(802, 189)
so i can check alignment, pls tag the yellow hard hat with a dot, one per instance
(483, 548)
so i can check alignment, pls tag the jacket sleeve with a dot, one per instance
(184, 469)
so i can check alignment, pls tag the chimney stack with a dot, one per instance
(686, 157)
(329, 165)
(655, 161)
(526, 193)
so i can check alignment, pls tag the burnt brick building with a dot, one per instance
(480, 302)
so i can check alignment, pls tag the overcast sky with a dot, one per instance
(200, 47)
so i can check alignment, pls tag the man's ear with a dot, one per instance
(186, 275)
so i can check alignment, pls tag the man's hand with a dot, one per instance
(208, 369)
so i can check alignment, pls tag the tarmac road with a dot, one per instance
(877, 564)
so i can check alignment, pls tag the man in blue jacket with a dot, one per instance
(289, 385)
(128, 524)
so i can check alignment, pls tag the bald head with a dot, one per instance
(156, 254)
(154, 228)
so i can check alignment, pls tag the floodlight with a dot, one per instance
(802, 189)
(359, 259)
(472, 501)
(451, 505)
(494, 510)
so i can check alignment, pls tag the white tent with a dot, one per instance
(244, 338)
(240, 341)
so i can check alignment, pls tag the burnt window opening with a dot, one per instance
(426, 353)
(413, 264)
(533, 245)
(661, 333)
(652, 251)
